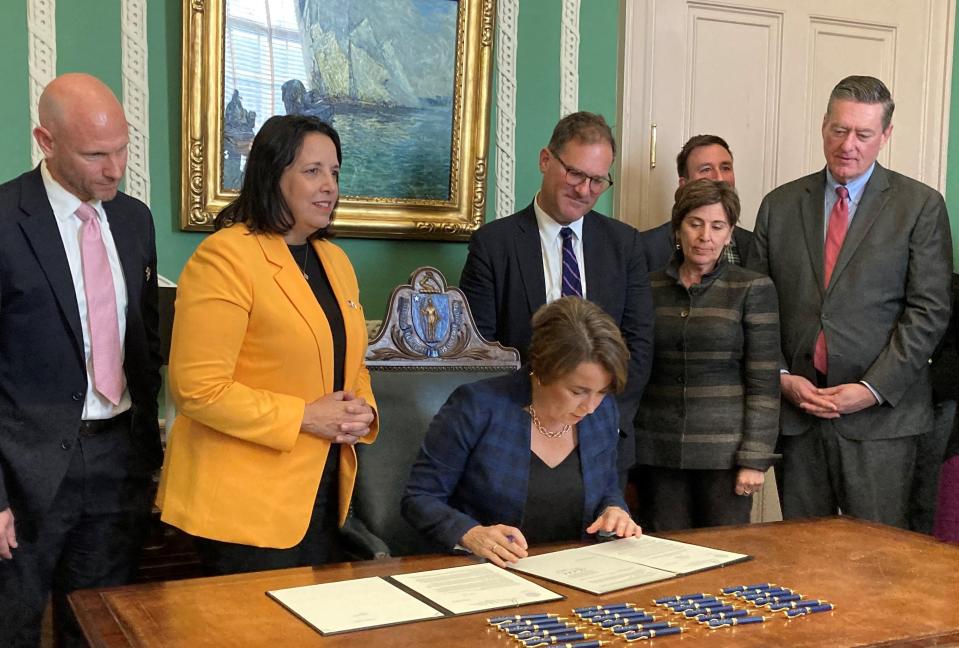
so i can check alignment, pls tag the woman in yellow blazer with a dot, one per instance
(266, 366)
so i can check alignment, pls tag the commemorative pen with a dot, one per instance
(554, 639)
(540, 629)
(751, 596)
(706, 618)
(641, 627)
(592, 643)
(652, 634)
(743, 620)
(681, 597)
(770, 600)
(601, 618)
(614, 623)
(713, 610)
(787, 605)
(592, 609)
(531, 625)
(521, 617)
(824, 607)
(733, 589)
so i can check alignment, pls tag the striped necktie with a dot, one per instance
(572, 283)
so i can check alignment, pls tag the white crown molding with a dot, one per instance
(41, 58)
(569, 58)
(136, 96)
(507, 20)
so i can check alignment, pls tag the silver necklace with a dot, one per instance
(542, 428)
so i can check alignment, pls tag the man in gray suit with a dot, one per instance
(861, 257)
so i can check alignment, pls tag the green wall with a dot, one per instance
(383, 264)
(88, 39)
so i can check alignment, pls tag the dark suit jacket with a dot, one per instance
(659, 245)
(504, 283)
(473, 467)
(43, 379)
(887, 305)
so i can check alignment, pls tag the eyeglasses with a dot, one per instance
(575, 177)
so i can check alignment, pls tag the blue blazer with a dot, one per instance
(473, 468)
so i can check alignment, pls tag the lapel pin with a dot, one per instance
(147, 273)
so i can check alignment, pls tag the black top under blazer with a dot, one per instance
(504, 283)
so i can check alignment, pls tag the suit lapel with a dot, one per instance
(529, 255)
(125, 240)
(44, 236)
(870, 205)
(289, 277)
(811, 213)
(595, 256)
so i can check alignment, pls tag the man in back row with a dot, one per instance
(862, 261)
(558, 246)
(702, 156)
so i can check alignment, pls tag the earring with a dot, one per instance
(678, 246)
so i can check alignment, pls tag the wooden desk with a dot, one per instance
(890, 587)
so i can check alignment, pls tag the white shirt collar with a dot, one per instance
(63, 203)
(549, 227)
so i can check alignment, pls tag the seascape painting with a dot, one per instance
(382, 72)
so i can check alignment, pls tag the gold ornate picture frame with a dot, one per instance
(439, 212)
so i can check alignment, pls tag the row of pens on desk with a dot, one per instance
(733, 607)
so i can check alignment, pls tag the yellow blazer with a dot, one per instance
(251, 346)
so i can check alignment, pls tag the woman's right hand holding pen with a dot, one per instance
(498, 543)
(340, 417)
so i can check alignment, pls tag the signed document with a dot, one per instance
(628, 562)
(474, 588)
(353, 605)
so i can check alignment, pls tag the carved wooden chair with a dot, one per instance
(428, 345)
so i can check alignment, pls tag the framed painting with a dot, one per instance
(406, 83)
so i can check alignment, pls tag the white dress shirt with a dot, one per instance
(64, 204)
(552, 245)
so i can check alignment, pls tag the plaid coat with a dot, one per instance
(473, 468)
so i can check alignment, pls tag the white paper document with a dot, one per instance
(668, 555)
(589, 571)
(353, 605)
(474, 588)
(628, 562)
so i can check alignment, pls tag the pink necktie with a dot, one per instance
(835, 234)
(101, 307)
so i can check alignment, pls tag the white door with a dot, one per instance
(758, 73)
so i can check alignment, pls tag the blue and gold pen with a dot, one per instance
(733, 589)
(782, 591)
(776, 607)
(523, 627)
(521, 617)
(592, 609)
(554, 639)
(592, 643)
(706, 618)
(532, 624)
(540, 629)
(615, 623)
(530, 634)
(680, 597)
(824, 607)
(713, 610)
(743, 620)
(652, 634)
(769, 600)
(641, 627)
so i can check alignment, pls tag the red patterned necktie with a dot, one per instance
(101, 307)
(835, 234)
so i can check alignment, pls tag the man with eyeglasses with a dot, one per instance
(702, 156)
(559, 246)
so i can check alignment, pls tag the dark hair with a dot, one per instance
(694, 143)
(702, 192)
(260, 205)
(570, 331)
(867, 90)
(586, 127)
